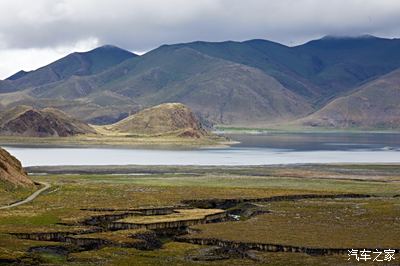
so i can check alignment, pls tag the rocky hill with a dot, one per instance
(374, 105)
(29, 122)
(11, 172)
(166, 119)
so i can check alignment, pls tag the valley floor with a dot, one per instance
(140, 215)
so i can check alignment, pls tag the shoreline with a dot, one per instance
(183, 169)
(255, 131)
(166, 143)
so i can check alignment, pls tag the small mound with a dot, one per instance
(49, 122)
(164, 119)
(11, 171)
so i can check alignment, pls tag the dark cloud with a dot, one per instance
(145, 24)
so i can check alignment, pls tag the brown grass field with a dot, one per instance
(321, 222)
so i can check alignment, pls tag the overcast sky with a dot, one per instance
(35, 33)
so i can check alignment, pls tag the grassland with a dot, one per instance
(179, 215)
(327, 223)
(361, 223)
(9, 195)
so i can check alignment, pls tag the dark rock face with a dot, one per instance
(11, 171)
(149, 239)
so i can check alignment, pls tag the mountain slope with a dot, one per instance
(318, 69)
(17, 75)
(219, 90)
(75, 64)
(11, 172)
(373, 105)
(342, 63)
(164, 119)
(262, 54)
(28, 122)
(250, 83)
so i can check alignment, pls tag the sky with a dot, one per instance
(35, 33)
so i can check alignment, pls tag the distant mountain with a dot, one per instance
(49, 122)
(75, 64)
(250, 83)
(318, 69)
(342, 63)
(17, 75)
(165, 119)
(12, 175)
(375, 105)
(219, 90)
(274, 59)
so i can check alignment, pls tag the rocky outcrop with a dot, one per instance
(11, 172)
(29, 122)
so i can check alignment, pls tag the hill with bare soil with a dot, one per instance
(11, 172)
(49, 122)
(164, 119)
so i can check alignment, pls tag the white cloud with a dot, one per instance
(13, 60)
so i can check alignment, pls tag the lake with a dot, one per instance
(256, 149)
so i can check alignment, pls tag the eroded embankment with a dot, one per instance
(142, 240)
(153, 227)
(212, 218)
(270, 247)
(229, 203)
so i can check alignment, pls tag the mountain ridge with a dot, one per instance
(77, 63)
(253, 82)
(372, 105)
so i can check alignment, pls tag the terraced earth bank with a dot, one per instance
(205, 218)
(142, 228)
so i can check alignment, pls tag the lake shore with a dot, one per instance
(299, 130)
(355, 172)
(96, 141)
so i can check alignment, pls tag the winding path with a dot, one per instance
(30, 198)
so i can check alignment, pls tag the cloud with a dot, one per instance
(44, 25)
(14, 60)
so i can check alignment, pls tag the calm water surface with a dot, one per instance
(264, 149)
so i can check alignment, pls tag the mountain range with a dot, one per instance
(339, 82)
